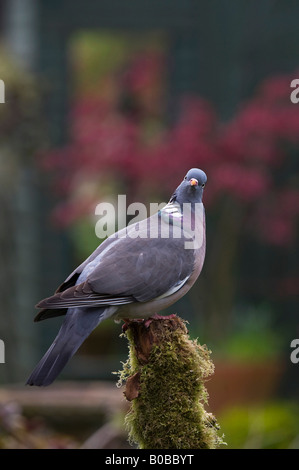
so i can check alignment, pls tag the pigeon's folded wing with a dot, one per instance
(140, 269)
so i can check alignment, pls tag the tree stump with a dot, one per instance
(165, 375)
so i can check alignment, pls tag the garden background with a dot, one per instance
(109, 97)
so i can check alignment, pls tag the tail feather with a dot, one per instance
(77, 325)
(49, 313)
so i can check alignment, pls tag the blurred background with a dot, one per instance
(109, 97)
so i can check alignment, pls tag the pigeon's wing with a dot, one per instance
(71, 281)
(130, 269)
(143, 268)
(73, 277)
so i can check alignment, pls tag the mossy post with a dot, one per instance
(165, 375)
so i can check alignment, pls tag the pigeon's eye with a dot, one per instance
(203, 185)
(185, 178)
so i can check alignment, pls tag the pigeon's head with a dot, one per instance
(196, 178)
(191, 188)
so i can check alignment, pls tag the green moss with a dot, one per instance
(168, 412)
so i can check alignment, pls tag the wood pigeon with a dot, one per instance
(135, 273)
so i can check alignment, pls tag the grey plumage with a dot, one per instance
(77, 326)
(128, 276)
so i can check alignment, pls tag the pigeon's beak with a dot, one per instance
(194, 182)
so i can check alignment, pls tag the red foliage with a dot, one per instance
(248, 159)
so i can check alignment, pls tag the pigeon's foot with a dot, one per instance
(125, 325)
(127, 322)
(158, 317)
(147, 322)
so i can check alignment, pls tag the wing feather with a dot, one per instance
(126, 270)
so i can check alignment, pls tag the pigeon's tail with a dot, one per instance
(77, 325)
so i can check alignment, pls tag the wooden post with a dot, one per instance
(165, 375)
